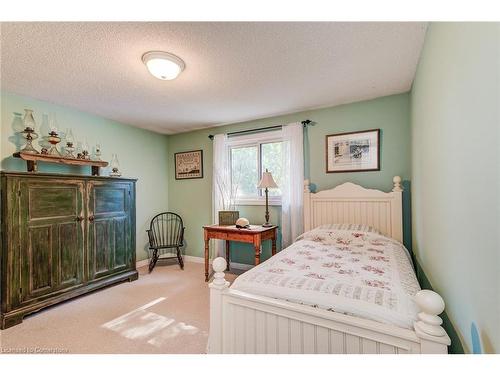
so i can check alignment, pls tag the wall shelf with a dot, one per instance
(32, 159)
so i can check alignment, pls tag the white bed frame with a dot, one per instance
(248, 323)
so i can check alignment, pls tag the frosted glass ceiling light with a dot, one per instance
(163, 65)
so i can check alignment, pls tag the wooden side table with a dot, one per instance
(255, 235)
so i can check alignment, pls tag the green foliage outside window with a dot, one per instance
(246, 171)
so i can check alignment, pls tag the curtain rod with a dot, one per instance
(304, 123)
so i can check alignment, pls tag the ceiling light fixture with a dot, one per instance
(163, 65)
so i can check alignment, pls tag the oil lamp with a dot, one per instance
(29, 132)
(115, 167)
(70, 141)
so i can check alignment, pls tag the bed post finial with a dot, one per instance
(219, 265)
(428, 326)
(306, 186)
(217, 288)
(397, 184)
(431, 305)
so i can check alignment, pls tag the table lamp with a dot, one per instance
(267, 182)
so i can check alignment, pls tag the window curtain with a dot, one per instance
(221, 183)
(292, 223)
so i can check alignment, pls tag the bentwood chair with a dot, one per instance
(165, 233)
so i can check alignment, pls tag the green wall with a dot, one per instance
(142, 154)
(455, 173)
(192, 198)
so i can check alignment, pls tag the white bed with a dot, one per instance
(305, 299)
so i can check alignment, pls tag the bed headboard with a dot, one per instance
(353, 204)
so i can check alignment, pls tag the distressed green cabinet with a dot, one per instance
(62, 236)
(50, 236)
(109, 228)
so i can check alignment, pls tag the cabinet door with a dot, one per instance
(110, 228)
(51, 236)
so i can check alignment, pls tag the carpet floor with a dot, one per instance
(166, 311)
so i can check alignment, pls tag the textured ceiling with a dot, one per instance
(234, 71)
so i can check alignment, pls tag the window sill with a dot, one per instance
(257, 202)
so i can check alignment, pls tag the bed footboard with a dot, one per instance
(247, 323)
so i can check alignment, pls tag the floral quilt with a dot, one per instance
(359, 273)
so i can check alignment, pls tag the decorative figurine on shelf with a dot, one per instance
(266, 183)
(53, 139)
(69, 149)
(29, 132)
(97, 154)
(74, 153)
(115, 167)
(85, 150)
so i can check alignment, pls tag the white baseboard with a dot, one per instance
(192, 259)
(238, 266)
(141, 263)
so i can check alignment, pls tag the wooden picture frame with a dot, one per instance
(228, 217)
(188, 164)
(353, 151)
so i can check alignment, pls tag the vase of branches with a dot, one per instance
(227, 193)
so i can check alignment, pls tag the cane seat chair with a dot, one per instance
(166, 235)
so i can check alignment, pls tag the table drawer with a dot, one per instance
(238, 237)
(217, 235)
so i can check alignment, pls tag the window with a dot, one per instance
(249, 157)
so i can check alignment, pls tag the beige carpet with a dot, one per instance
(166, 311)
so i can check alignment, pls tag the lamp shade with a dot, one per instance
(267, 181)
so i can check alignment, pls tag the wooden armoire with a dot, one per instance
(62, 236)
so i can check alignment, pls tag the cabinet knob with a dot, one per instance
(91, 218)
(79, 218)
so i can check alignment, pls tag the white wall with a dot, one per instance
(455, 173)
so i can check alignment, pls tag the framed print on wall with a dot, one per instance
(353, 152)
(188, 164)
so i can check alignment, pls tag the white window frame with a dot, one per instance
(255, 139)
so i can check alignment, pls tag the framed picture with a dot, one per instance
(353, 152)
(188, 165)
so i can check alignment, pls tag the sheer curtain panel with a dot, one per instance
(221, 182)
(292, 187)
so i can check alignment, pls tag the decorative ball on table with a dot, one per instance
(242, 223)
(267, 182)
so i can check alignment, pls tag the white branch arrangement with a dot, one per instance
(227, 190)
